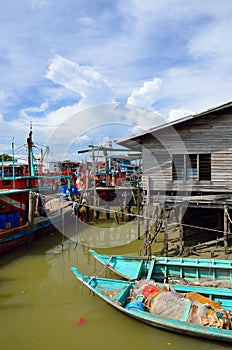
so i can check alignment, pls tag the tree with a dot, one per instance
(6, 157)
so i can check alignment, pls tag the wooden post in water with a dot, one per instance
(124, 202)
(116, 217)
(62, 218)
(107, 211)
(147, 207)
(181, 231)
(30, 219)
(166, 237)
(138, 224)
(122, 206)
(166, 233)
(123, 213)
(147, 221)
(225, 236)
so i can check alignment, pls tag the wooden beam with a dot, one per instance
(225, 236)
(181, 231)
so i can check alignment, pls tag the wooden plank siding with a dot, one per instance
(211, 134)
(187, 166)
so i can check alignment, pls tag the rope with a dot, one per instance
(101, 272)
(202, 228)
(227, 213)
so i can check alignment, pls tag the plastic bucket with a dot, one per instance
(10, 220)
(74, 189)
(16, 218)
(64, 189)
(2, 221)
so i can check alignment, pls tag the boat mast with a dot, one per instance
(13, 156)
(2, 167)
(31, 171)
(41, 162)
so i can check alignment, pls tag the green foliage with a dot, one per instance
(6, 157)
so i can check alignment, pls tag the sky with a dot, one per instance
(87, 72)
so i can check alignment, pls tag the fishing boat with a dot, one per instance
(168, 269)
(15, 233)
(195, 311)
(22, 217)
(110, 179)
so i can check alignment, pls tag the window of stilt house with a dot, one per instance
(205, 167)
(178, 167)
(191, 167)
(196, 167)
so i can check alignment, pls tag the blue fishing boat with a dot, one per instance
(195, 311)
(166, 269)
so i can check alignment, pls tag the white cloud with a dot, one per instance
(141, 118)
(3, 96)
(147, 94)
(195, 89)
(100, 54)
(83, 80)
(178, 113)
(39, 3)
(98, 124)
(24, 112)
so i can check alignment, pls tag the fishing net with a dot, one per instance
(211, 283)
(168, 304)
(192, 307)
(206, 312)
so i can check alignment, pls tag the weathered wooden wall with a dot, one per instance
(211, 134)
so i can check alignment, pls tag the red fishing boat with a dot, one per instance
(22, 211)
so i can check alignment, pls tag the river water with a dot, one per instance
(42, 304)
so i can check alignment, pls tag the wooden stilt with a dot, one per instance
(116, 217)
(30, 219)
(181, 231)
(225, 236)
(123, 214)
(166, 236)
(147, 237)
(62, 217)
(138, 211)
(147, 212)
(107, 211)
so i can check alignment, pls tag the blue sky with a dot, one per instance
(60, 58)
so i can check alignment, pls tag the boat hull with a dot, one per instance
(22, 235)
(16, 237)
(115, 293)
(164, 269)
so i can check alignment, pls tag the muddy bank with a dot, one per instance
(210, 249)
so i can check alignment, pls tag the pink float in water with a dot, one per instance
(80, 321)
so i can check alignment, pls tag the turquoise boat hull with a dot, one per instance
(167, 268)
(116, 292)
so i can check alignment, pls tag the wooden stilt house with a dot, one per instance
(187, 166)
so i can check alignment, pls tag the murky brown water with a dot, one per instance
(41, 300)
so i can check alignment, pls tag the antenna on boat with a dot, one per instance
(30, 153)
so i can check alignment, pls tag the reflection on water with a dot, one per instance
(101, 235)
(105, 237)
(41, 301)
